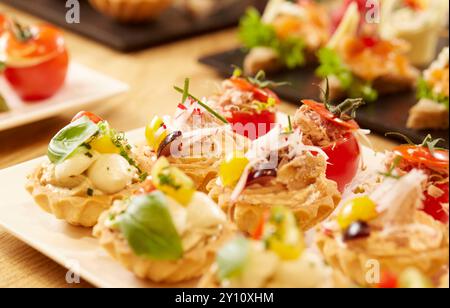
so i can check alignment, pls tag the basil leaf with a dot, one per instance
(149, 229)
(232, 258)
(70, 138)
(425, 91)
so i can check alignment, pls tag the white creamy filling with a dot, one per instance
(109, 173)
(194, 220)
(265, 269)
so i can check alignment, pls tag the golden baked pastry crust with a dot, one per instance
(351, 259)
(194, 263)
(71, 205)
(301, 185)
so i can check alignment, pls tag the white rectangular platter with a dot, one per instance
(83, 87)
(72, 247)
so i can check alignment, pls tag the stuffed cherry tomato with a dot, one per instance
(36, 60)
(332, 129)
(248, 104)
(435, 163)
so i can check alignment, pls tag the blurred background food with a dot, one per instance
(133, 11)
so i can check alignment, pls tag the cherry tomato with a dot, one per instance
(252, 124)
(93, 117)
(388, 281)
(325, 113)
(343, 160)
(261, 95)
(36, 62)
(418, 155)
(433, 206)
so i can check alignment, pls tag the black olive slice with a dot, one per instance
(357, 230)
(261, 177)
(164, 148)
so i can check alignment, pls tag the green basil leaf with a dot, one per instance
(425, 91)
(149, 229)
(70, 138)
(231, 259)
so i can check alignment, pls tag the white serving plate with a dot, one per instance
(72, 247)
(83, 87)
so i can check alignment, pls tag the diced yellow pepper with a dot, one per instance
(231, 168)
(286, 240)
(172, 181)
(360, 208)
(155, 133)
(103, 144)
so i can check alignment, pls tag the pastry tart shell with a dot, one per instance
(76, 210)
(355, 263)
(193, 264)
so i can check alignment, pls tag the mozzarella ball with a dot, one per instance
(111, 173)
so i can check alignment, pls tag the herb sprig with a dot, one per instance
(186, 94)
(428, 141)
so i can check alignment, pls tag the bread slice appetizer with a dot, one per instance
(275, 257)
(431, 112)
(384, 231)
(167, 232)
(278, 169)
(89, 166)
(360, 64)
(286, 36)
(195, 140)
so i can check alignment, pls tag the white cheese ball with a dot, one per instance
(111, 173)
(75, 165)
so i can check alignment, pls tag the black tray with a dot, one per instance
(172, 25)
(388, 114)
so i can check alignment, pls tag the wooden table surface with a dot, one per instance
(151, 75)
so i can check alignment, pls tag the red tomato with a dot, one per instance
(2, 23)
(36, 65)
(388, 281)
(93, 117)
(252, 125)
(433, 206)
(325, 113)
(261, 95)
(418, 156)
(344, 157)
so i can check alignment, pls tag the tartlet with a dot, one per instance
(180, 244)
(278, 169)
(131, 11)
(195, 140)
(89, 166)
(385, 231)
(275, 257)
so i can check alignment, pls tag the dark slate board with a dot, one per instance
(172, 25)
(389, 114)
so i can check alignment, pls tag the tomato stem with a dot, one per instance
(21, 33)
(347, 109)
